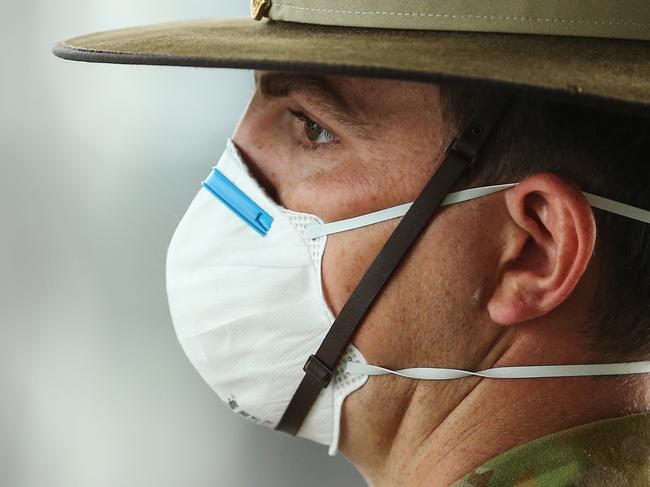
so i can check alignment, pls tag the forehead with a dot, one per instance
(370, 96)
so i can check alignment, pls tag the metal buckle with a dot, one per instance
(318, 370)
(469, 143)
(260, 8)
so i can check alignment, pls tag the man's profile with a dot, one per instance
(442, 275)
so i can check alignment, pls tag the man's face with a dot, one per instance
(339, 147)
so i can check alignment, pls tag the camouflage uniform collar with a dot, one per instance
(608, 452)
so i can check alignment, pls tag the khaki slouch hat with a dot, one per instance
(587, 51)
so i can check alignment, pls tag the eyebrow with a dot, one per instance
(318, 91)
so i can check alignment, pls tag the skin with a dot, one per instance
(503, 280)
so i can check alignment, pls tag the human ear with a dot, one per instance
(548, 242)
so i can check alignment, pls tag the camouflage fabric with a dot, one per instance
(609, 453)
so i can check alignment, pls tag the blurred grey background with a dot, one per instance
(98, 164)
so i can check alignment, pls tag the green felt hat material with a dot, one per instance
(615, 72)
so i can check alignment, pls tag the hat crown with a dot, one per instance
(617, 19)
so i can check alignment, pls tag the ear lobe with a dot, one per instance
(546, 250)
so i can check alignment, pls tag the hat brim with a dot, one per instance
(607, 72)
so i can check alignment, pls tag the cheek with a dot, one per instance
(347, 257)
(431, 305)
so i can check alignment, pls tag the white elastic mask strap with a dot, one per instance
(619, 208)
(522, 372)
(399, 211)
(459, 197)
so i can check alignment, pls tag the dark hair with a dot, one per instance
(603, 152)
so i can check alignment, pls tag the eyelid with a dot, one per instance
(304, 116)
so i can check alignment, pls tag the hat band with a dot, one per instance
(616, 19)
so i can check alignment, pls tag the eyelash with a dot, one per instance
(302, 117)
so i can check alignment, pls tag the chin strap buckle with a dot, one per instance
(469, 144)
(318, 370)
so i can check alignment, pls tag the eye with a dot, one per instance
(314, 132)
(317, 134)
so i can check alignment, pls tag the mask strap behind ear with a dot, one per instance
(618, 208)
(596, 201)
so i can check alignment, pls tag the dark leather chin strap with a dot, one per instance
(319, 367)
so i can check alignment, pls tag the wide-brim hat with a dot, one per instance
(586, 51)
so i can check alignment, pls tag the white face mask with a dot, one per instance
(245, 292)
